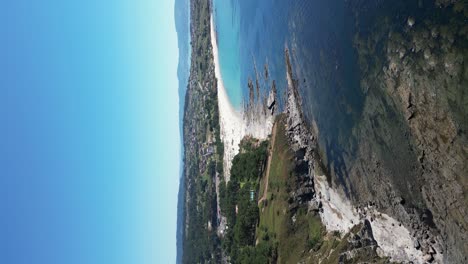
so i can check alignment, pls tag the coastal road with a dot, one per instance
(265, 189)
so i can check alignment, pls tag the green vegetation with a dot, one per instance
(273, 233)
(293, 239)
(394, 61)
(238, 201)
(203, 146)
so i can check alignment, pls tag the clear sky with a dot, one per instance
(90, 146)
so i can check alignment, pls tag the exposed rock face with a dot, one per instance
(424, 78)
(361, 243)
(271, 102)
(407, 148)
(411, 21)
(301, 141)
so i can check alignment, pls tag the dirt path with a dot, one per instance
(265, 189)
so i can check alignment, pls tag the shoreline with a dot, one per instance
(337, 212)
(230, 119)
(234, 124)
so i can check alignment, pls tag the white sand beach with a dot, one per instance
(235, 125)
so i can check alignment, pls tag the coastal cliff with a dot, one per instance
(398, 143)
(380, 179)
(389, 237)
(423, 76)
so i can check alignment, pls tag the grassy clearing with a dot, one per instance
(304, 239)
(294, 239)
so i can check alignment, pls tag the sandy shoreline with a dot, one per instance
(234, 124)
(338, 214)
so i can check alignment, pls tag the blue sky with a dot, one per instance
(90, 144)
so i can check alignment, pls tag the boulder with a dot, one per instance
(417, 245)
(271, 100)
(411, 21)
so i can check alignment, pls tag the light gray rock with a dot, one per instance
(411, 21)
(417, 245)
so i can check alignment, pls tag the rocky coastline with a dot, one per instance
(404, 195)
(407, 148)
(423, 245)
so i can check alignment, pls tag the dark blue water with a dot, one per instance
(319, 36)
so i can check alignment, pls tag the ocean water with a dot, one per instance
(319, 36)
(227, 21)
(316, 32)
(253, 36)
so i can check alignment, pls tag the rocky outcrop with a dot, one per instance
(423, 75)
(271, 102)
(414, 224)
(300, 141)
(361, 243)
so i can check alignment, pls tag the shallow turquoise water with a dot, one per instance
(227, 26)
(319, 38)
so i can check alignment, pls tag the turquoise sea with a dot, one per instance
(253, 35)
(227, 22)
(320, 36)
